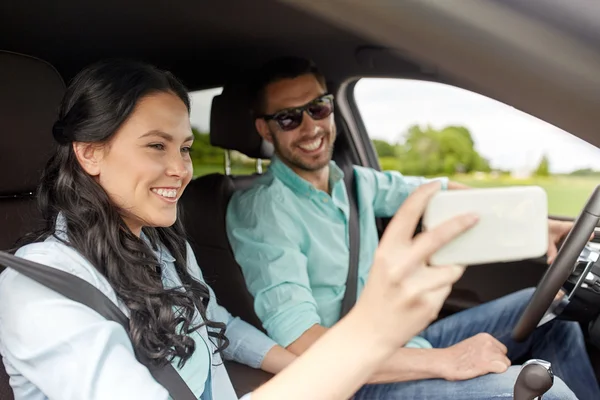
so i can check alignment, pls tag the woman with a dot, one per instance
(109, 197)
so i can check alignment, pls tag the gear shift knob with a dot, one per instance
(535, 379)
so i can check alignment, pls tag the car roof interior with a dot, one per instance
(526, 54)
(552, 75)
(205, 43)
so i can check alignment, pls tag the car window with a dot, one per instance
(432, 129)
(209, 159)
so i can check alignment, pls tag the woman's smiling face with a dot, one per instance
(146, 165)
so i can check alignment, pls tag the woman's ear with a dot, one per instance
(89, 156)
(263, 129)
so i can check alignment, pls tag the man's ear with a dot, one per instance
(263, 129)
(89, 156)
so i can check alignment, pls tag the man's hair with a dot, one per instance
(288, 67)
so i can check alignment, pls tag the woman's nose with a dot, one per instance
(178, 166)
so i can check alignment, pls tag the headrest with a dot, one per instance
(232, 125)
(30, 94)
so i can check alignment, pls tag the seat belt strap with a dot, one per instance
(353, 241)
(81, 291)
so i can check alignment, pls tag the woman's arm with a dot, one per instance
(335, 367)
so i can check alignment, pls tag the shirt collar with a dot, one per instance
(299, 185)
(60, 227)
(162, 254)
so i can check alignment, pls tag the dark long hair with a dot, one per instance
(98, 101)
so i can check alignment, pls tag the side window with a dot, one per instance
(206, 158)
(432, 129)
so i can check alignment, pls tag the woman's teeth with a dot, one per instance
(312, 146)
(170, 193)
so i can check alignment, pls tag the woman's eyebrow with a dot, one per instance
(168, 137)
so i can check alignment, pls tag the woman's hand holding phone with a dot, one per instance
(403, 293)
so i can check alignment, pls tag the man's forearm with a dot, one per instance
(457, 186)
(277, 359)
(307, 339)
(406, 364)
(409, 364)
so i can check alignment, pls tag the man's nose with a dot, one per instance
(309, 125)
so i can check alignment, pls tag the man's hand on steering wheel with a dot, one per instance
(562, 263)
(557, 231)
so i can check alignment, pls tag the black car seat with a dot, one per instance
(204, 204)
(30, 93)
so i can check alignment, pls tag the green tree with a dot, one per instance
(203, 153)
(384, 149)
(427, 151)
(543, 168)
(481, 164)
(390, 164)
(420, 153)
(585, 172)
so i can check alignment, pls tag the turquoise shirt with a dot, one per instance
(291, 241)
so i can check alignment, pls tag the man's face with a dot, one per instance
(309, 146)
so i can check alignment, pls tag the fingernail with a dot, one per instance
(473, 218)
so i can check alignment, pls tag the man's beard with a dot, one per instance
(295, 160)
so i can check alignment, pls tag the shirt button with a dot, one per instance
(325, 200)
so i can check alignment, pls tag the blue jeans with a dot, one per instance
(559, 342)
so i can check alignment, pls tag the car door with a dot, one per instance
(425, 128)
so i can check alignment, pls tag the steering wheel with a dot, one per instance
(560, 270)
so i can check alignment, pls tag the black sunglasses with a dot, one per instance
(291, 118)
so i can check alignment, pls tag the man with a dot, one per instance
(289, 233)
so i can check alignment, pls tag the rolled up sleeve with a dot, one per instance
(390, 188)
(274, 267)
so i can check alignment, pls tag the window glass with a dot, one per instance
(432, 129)
(208, 159)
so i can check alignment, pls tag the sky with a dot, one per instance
(508, 138)
(200, 110)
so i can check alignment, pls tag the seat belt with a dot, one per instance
(353, 241)
(81, 291)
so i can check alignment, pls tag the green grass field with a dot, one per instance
(200, 170)
(566, 194)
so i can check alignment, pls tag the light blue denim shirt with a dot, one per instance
(55, 348)
(291, 241)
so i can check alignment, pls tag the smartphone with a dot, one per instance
(512, 226)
